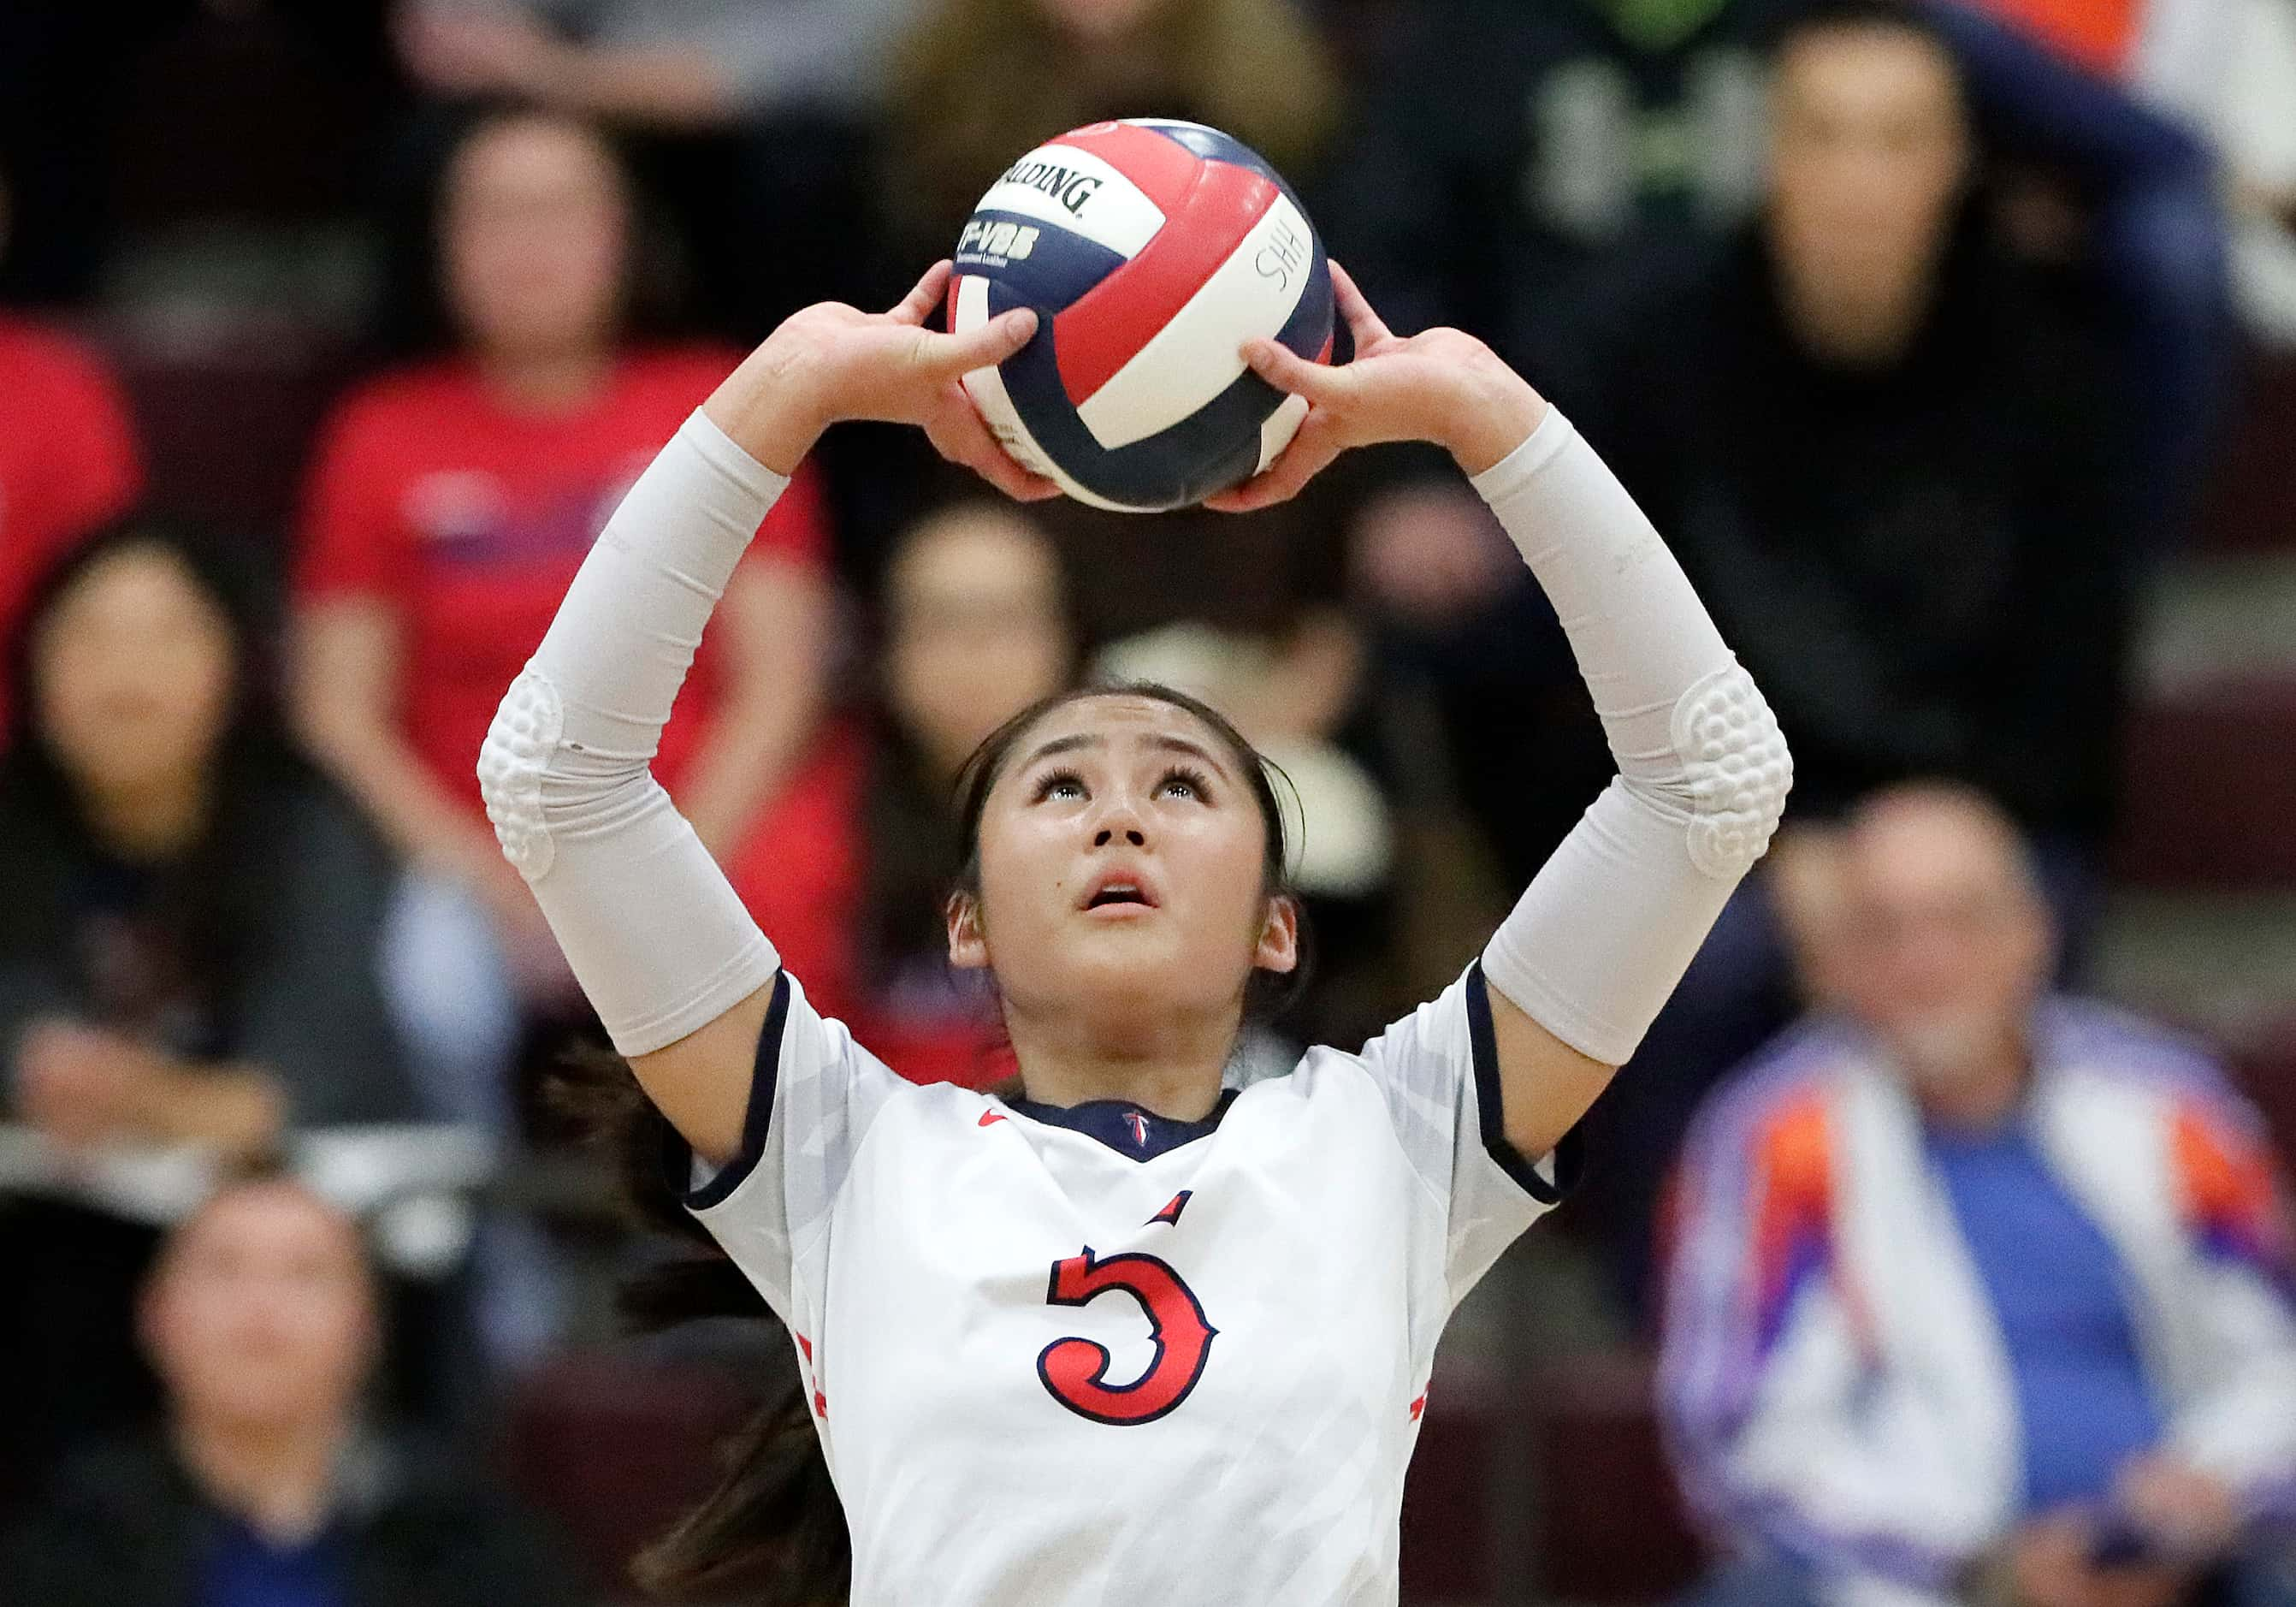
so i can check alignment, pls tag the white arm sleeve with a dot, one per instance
(650, 927)
(1610, 924)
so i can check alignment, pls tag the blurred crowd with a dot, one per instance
(330, 332)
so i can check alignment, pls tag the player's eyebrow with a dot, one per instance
(1078, 740)
(1066, 745)
(1194, 750)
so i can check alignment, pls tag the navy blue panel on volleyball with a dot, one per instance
(1057, 267)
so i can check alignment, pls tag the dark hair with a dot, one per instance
(772, 1532)
(773, 1529)
(220, 890)
(270, 1168)
(1269, 992)
(1845, 16)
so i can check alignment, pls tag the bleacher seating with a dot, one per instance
(2249, 504)
(2211, 788)
(615, 1448)
(1610, 1525)
(226, 413)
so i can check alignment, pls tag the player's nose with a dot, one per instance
(1120, 822)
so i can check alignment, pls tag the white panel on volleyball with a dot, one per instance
(1082, 193)
(1277, 429)
(1192, 358)
(985, 386)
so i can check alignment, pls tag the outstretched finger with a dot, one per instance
(1295, 375)
(925, 295)
(1366, 326)
(958, 433)
(952, 356)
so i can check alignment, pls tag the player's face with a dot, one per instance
(1123, 870)
(1946, 943)
(535, 231)
(262, 1311)
(1868, 148)
(974, 629)
(134, 671)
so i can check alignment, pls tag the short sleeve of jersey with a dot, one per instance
(812, 1096)
(1438, 1069)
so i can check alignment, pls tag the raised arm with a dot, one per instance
(674, 965)
(1607, 927)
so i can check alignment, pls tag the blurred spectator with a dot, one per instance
(1899, 482)
(1511, 156)
(67, 458)
(2226, 69)
(2125, 192)
(2258, 137)
(975, 629)
(452, 503)
(1510, 162)
(268, 1485)
(750, 119)
(1892, 473)
(690, 63)
(1977, 1289)
(192, 928)
(978, 82)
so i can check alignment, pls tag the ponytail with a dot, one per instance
(771, 1530)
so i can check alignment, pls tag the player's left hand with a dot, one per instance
(1439, 386)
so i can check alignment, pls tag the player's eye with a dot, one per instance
(1180, 781)
(1059, 784)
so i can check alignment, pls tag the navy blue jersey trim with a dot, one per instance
(1491, 1113)
(1111, 1122)
(763, 1075)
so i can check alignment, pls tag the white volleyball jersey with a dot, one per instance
(1094, 1356)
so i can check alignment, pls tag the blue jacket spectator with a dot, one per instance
(1974, 1287)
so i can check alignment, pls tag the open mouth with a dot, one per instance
(1117, 891)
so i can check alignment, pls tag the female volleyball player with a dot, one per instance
(1125, 1338)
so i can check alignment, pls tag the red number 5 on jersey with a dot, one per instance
(1075, 1370)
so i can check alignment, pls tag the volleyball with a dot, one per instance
(1151, 250)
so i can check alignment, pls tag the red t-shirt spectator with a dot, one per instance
(469, 520)
(68, 460)
(815, 856)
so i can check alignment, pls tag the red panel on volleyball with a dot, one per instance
(1105, 329)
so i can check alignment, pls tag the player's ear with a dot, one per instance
(1278, 950)
(968, 945)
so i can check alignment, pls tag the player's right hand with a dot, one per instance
(830, 362)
